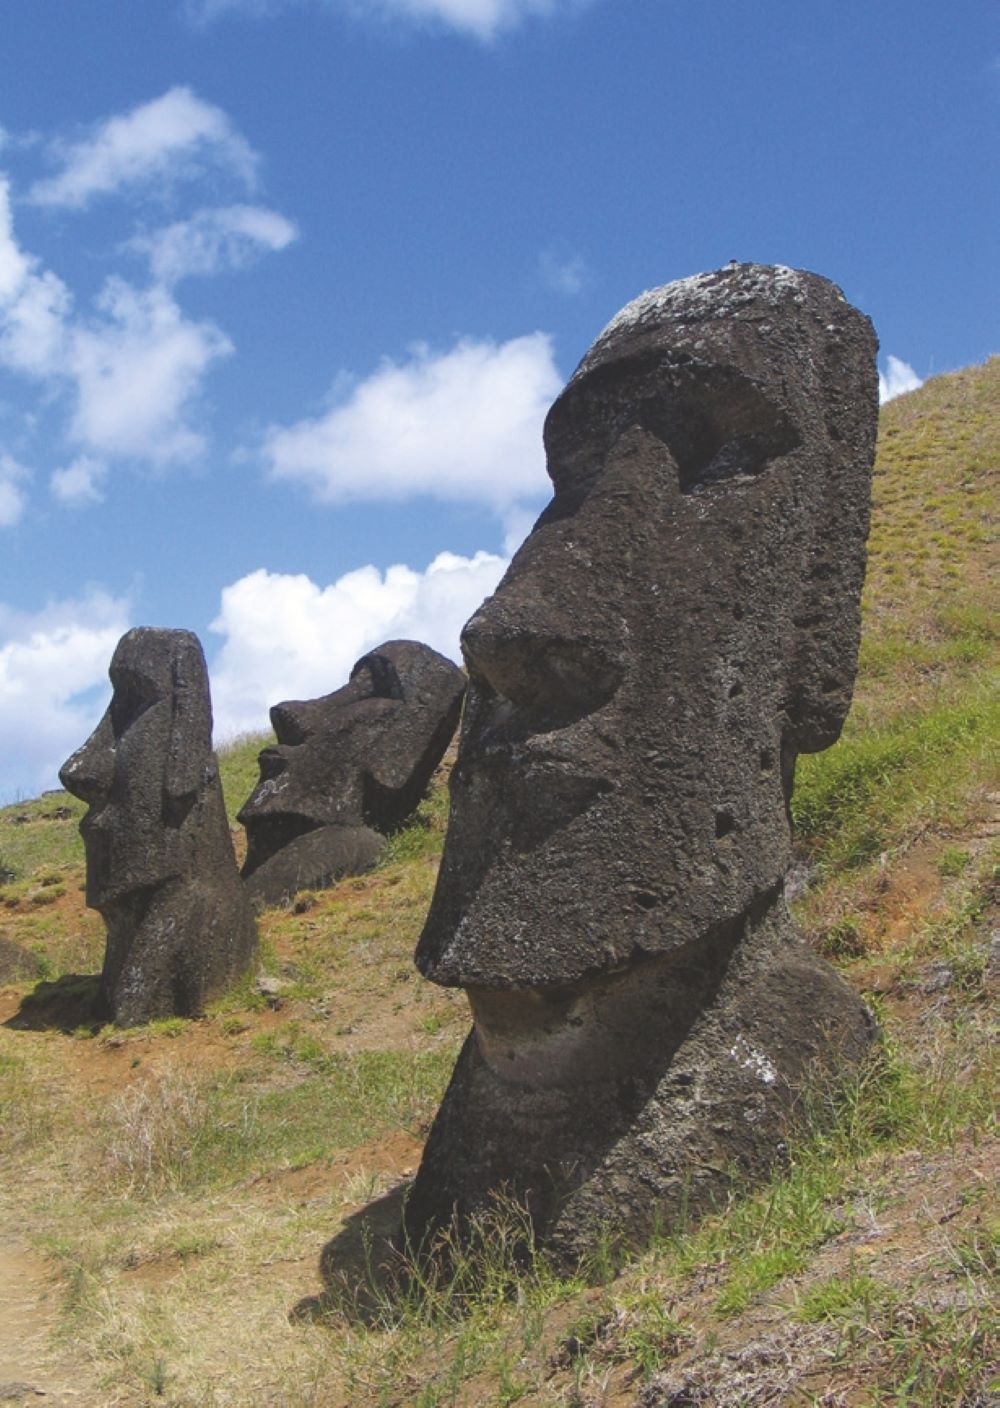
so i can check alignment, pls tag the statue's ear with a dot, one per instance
(190, 742)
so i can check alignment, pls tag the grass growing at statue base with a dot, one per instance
(490, 1311)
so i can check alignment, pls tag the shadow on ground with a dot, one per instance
(362, 1267)
(63, 1005)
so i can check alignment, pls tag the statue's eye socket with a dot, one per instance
(134, 694)
(716, 422)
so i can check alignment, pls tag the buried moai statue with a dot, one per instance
(160, 863)
(681, 623)
(348, 769)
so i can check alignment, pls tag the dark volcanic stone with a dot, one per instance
(353, 765)
(160, 863)
(681, 623)
(314, 861)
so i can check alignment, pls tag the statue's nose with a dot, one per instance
(552, 672)
(291, 721)
(89, 772)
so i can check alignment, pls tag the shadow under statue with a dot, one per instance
(681, 623)
(160, 862)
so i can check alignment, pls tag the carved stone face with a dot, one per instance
(361, 756)
(141, 768)
(681, 623)
(310, 778)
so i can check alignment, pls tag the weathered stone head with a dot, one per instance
(160, 863)
(681, 623)
(348, 769)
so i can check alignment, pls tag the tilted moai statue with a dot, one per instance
(348, 769)
(160, 863)
(681, 623)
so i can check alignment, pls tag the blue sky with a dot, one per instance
(286, 287)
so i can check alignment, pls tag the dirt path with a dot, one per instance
(30, 1370)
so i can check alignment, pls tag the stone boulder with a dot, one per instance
(348, 769)
(160, 862)
(681, 623)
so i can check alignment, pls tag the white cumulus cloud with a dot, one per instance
(137, 368)
(229, 237)
(898, 378)
(462, 426)
(285, 637)
(53, 664)
(176, 136)
(79, 483)
(13, 499)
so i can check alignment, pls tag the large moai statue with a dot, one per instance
(348, 769)
(681, 623)
(160, 863)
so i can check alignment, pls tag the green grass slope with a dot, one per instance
(166, 1193)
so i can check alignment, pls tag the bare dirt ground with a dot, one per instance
(31, 1368)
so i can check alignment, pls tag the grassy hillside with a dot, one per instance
(167, 1193)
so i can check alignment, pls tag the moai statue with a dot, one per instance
(681, 623)
(348, 769)
(160, 863)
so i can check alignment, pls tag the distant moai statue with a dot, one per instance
(160, 863)
(681, 623)
(348, 769)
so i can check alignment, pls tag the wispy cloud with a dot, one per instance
(898, 378)
(464, 426)
(13, 499)
(285, 637)
(134, 365)
(174, 137)
(228, 237)
(568, 276)
(481, 19)
(130, 367)
(34, 304)
(79, 483)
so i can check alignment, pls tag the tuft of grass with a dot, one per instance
(27, 1114)
(927, 1354)
(477, 1298)
(422, 836)
(177, 1131)
(843, 1298)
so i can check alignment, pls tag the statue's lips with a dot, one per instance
(96, 837)
(279, 789)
